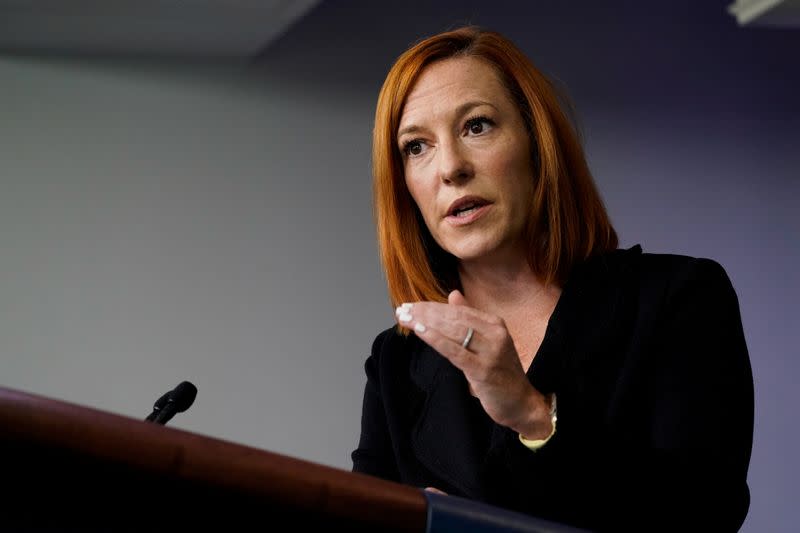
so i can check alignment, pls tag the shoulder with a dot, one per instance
(669, 272)
(664, 264)
(387, 341)
(658, 283)
(387, 349)
(680, 293)
(678, 267)
(686, 277)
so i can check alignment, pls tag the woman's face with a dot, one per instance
(467, 160)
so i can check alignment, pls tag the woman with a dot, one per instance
(535, 366)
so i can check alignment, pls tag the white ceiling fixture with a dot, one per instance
(146, 28)
(784, 13)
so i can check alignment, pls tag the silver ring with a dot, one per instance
(468, 338)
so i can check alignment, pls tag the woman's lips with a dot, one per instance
(469, 216)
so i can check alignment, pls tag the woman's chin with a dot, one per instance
(472, 252)
(485, 250)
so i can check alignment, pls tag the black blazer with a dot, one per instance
(648, 359)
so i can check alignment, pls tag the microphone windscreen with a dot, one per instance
(183, 396)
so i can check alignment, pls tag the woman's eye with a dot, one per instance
(413, 147)
(478, 125)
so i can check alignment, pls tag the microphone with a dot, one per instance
(171, 402)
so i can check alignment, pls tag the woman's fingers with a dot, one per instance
(473, 341)
(487, 356)
(445, 345)
(451, 319)
(453, 324)
(451, 312)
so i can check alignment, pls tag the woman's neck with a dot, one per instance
(500, 287)
(513, 292)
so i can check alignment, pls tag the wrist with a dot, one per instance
(535, 444)
(539, 420)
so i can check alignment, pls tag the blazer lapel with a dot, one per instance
(594, 345)
(442, 437)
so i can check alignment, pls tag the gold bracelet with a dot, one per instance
(535, 444)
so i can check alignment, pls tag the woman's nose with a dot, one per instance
(454, 164)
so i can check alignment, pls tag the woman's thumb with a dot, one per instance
(456, 298)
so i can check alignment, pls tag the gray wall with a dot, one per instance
(169, 222)
(211, 225)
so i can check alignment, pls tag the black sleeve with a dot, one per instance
(701, 428)
(374, 454)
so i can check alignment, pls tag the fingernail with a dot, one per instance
(401, 309)
(404, 317)
(419, 328)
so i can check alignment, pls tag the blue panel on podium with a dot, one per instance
(448, 514)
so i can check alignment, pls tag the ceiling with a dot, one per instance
(162, 28)
(207, 29)
(778, 13)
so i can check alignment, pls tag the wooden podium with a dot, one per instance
(67, 467)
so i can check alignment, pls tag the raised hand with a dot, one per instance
(480, 345)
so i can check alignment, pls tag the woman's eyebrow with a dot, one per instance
(459, 111)
(413, 128)
(468, 106)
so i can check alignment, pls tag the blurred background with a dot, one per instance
(185, 194)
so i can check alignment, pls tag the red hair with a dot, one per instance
(568, 221)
